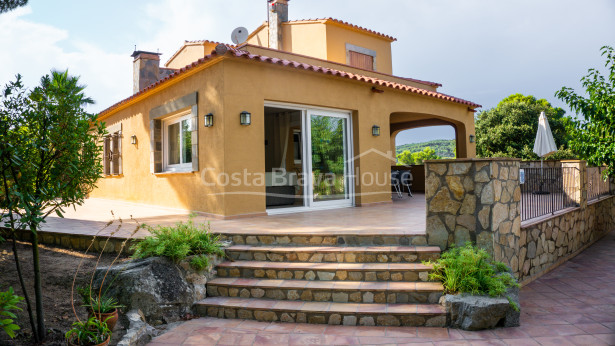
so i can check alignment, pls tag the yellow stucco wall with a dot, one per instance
(260, 36)
(334, 65)
(190, 53)
(181, 190)
(338, 36)
(233, 85)
(326, 39)
(305, 38)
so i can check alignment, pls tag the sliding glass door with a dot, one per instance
(329, 164)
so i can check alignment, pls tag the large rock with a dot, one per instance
(139, 332)
(162, 290)
(470, 312)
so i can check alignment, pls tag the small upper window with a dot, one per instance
(178, 143)
(360, 57)
(360, 60)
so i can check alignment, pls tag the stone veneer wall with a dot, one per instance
(475, 200)
(479, 200)
(549, 242)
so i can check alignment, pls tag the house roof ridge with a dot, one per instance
(190, 42)
(239, 53)
(339, 21)
(435, 84)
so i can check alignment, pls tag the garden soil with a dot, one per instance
(58, 267)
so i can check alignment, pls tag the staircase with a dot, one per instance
(345, 279)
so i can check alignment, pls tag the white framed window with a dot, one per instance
(177, 143)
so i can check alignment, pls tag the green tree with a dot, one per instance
(405, 158)
(9, 5)
(409, 158)
(593, 137)
(49, 159)
(509, 129)
(445, 148)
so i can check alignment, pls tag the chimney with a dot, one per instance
(146, 68)
(278, 14)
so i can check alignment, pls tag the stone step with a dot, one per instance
(332, 291)
(325, 271)
(337, 254)
(431, 315)
(374, 239)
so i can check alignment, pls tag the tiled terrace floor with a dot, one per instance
(572, 305)
(403, 216)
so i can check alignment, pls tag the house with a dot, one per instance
(301, 116)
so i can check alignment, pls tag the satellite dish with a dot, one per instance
(239, 35)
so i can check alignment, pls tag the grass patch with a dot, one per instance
(469, 269)
(180, 241)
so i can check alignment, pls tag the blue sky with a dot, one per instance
(480, 50)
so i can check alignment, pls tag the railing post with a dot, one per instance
(579, 178)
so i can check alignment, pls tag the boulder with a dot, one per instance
(164, 291)
(139, 332)
(471, 312)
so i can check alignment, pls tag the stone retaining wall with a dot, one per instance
(479, 200)
(76, 241)
(473, 200)
(547, 243)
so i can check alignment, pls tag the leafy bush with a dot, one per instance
(468, 269)
(8, 302)
(180, 241)
(90, 332)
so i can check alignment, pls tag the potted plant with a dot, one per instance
(92, 332)
(103, 307)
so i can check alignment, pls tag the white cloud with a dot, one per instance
(36, 48)
(479, 49)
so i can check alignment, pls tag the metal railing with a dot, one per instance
(597, 186)
(547, 190)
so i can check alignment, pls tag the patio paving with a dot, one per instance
(404, 216)
(572, 305)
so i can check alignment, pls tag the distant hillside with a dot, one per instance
(444, 148)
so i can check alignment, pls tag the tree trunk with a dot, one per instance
(38, 292)
(23, 287)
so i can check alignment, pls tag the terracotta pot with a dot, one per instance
(113, 316)
(104, 343)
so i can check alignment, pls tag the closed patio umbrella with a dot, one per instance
(544, 143)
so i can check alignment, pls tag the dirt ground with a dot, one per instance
(58, 267)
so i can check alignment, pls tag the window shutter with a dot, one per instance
(106, 155)
(361, 60)
(195, 139)
(116, 151)
(155, 128)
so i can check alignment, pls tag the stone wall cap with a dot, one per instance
(473, 160)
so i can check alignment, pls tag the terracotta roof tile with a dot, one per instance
(338, 21)
(236, 53)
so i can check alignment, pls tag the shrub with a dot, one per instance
(8, 303)
(180, 241)
(90, 332)
(468, 269)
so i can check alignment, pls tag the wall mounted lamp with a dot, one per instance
(133, 139)
(245, 118)
(472, 138)
(208, 119)
(377, 91)
(375, 130)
